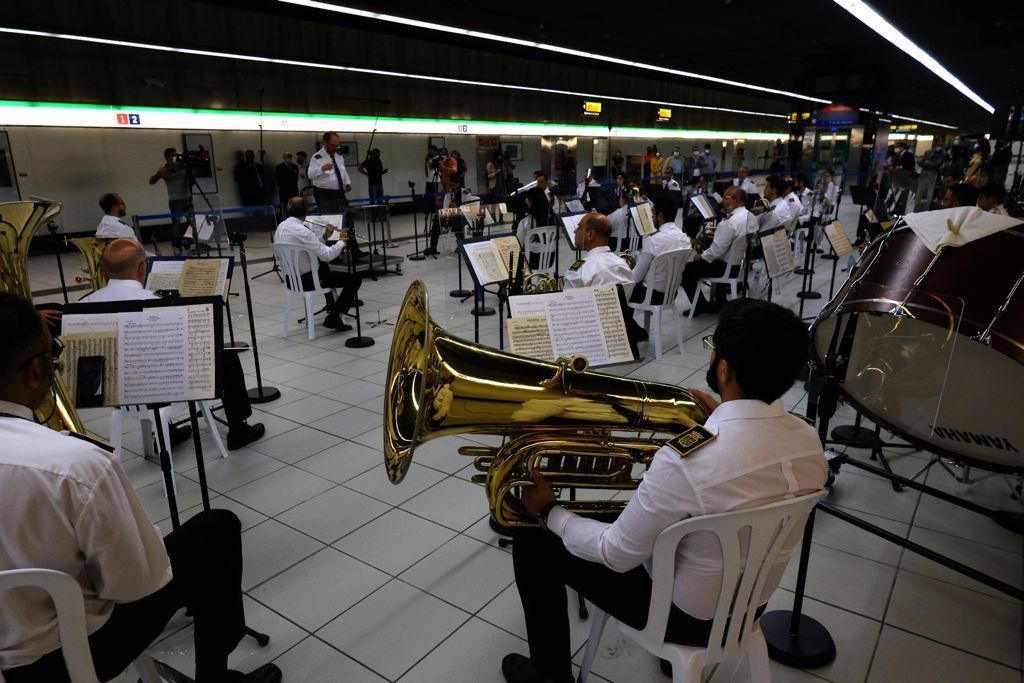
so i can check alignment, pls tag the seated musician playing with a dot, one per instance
(756, 454)
(601, 266)
(293, 230)
(124, 264)
(730, 239)
(68, 506)
(668, 238)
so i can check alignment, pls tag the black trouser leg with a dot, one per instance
(348, 283)
(543, 569)
(435, 233)
(237, 407)
(206, 559)
(697, 269)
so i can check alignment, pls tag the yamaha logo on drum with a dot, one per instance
(999, 442)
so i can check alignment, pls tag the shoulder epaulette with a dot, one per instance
(317, 155)
(577, 265)
(95, 442)
(690, 440)
(803, 417)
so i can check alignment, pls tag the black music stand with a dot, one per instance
(261, 393)
(358, 341)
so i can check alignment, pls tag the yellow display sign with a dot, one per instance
(664, 114)
(591, 108)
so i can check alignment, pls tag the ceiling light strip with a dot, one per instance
(908, 118)
(375, 72)
(71, 115)
(405, 21)
(882, 27)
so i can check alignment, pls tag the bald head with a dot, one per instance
(593, 231)
(124, 260)
(296, 207)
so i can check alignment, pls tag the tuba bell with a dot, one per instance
(567, 421)
(20, 222)
(92, 252)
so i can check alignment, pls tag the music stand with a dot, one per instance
(358, 341)
(260, 393)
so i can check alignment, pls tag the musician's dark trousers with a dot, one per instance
(347, 282)
(543, 569)
(237, 408)
(697, 269)
(206, 558)
(332, 202)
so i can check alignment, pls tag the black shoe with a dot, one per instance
(359, 302)
(244, 434)
(180, 434)
(333, 322)
(268, 673)
(518, 669)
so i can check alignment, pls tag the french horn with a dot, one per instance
(21, 221)
(582, 429)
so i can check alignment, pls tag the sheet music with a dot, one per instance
(778, 256)
(164, 275)
(575, 205)
(586, 321)
(510, 245)
(90, 335)
(570, 222)
(530, 337)
(152, 353)
(643, 218)
(201, 352)
(704, 206)
(838, 239)
(485, 260)
(204, 277)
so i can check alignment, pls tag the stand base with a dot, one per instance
(460, 293)
(852, 435)
(483, 311)
(266, 396)
(829, 257)
(803, 271)
(416, 257)
(237, 346)
(811, 648)
(359, 342)
(809, 295)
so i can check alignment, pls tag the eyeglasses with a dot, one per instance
(51, 356)
(708, 342)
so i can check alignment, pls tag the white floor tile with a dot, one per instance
(410, 538)
(342, 462)
(287, 488)
(451, 660)
(392, 629)
(270, 548)
(464, 572)
(375, 483)
(908, 658)
(333, 513)
(454, 503)
(314, 660)
(295, 445)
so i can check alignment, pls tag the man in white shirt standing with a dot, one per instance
(743, 181)
(326, 171)
(293, 230)
(749, 453)
(69, 506)
(111, 225)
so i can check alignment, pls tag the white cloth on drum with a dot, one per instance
(957, 226)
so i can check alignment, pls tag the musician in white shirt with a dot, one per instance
(601, 266)
(825, 196)
(330, 180)
(743, 182)
(784, 204)
(750, 452)
(726, 247)
(293, 230)
(111, 225)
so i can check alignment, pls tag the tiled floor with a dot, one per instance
(358, 580)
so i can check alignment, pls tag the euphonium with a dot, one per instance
(760, 206)
(540, 283)
(20, 221)
(92, 252)
(566, 420)
(628, 257)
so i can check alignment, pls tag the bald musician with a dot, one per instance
(124, 264)
(601, 266)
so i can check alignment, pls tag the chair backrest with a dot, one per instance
(542, 240)
(672, 264)
(290, 256)
(751, 541)
(67, 600)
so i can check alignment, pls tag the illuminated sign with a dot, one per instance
(664, 114)
(591, 108)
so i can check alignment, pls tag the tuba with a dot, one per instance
(19, 222)
(92, 252)
(563, 419)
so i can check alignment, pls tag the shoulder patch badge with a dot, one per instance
(95, 442)
(577, 265)
(690, 440)
(317, 156)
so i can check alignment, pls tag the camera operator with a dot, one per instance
(173, 175)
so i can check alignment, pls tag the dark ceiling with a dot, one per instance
(816, 49)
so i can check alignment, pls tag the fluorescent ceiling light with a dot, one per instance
(880, 25)
(375, 72)
(907, 118)
(73, 115)
(406, 21)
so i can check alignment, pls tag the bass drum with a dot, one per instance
(929, 355)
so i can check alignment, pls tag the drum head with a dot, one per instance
(934, 386)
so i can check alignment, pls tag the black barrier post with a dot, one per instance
(260, 393)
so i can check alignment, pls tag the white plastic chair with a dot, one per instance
(732, 276)
(290, 256)
(751, 541)
(673, 263)
(67, 601)
(542, 240)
